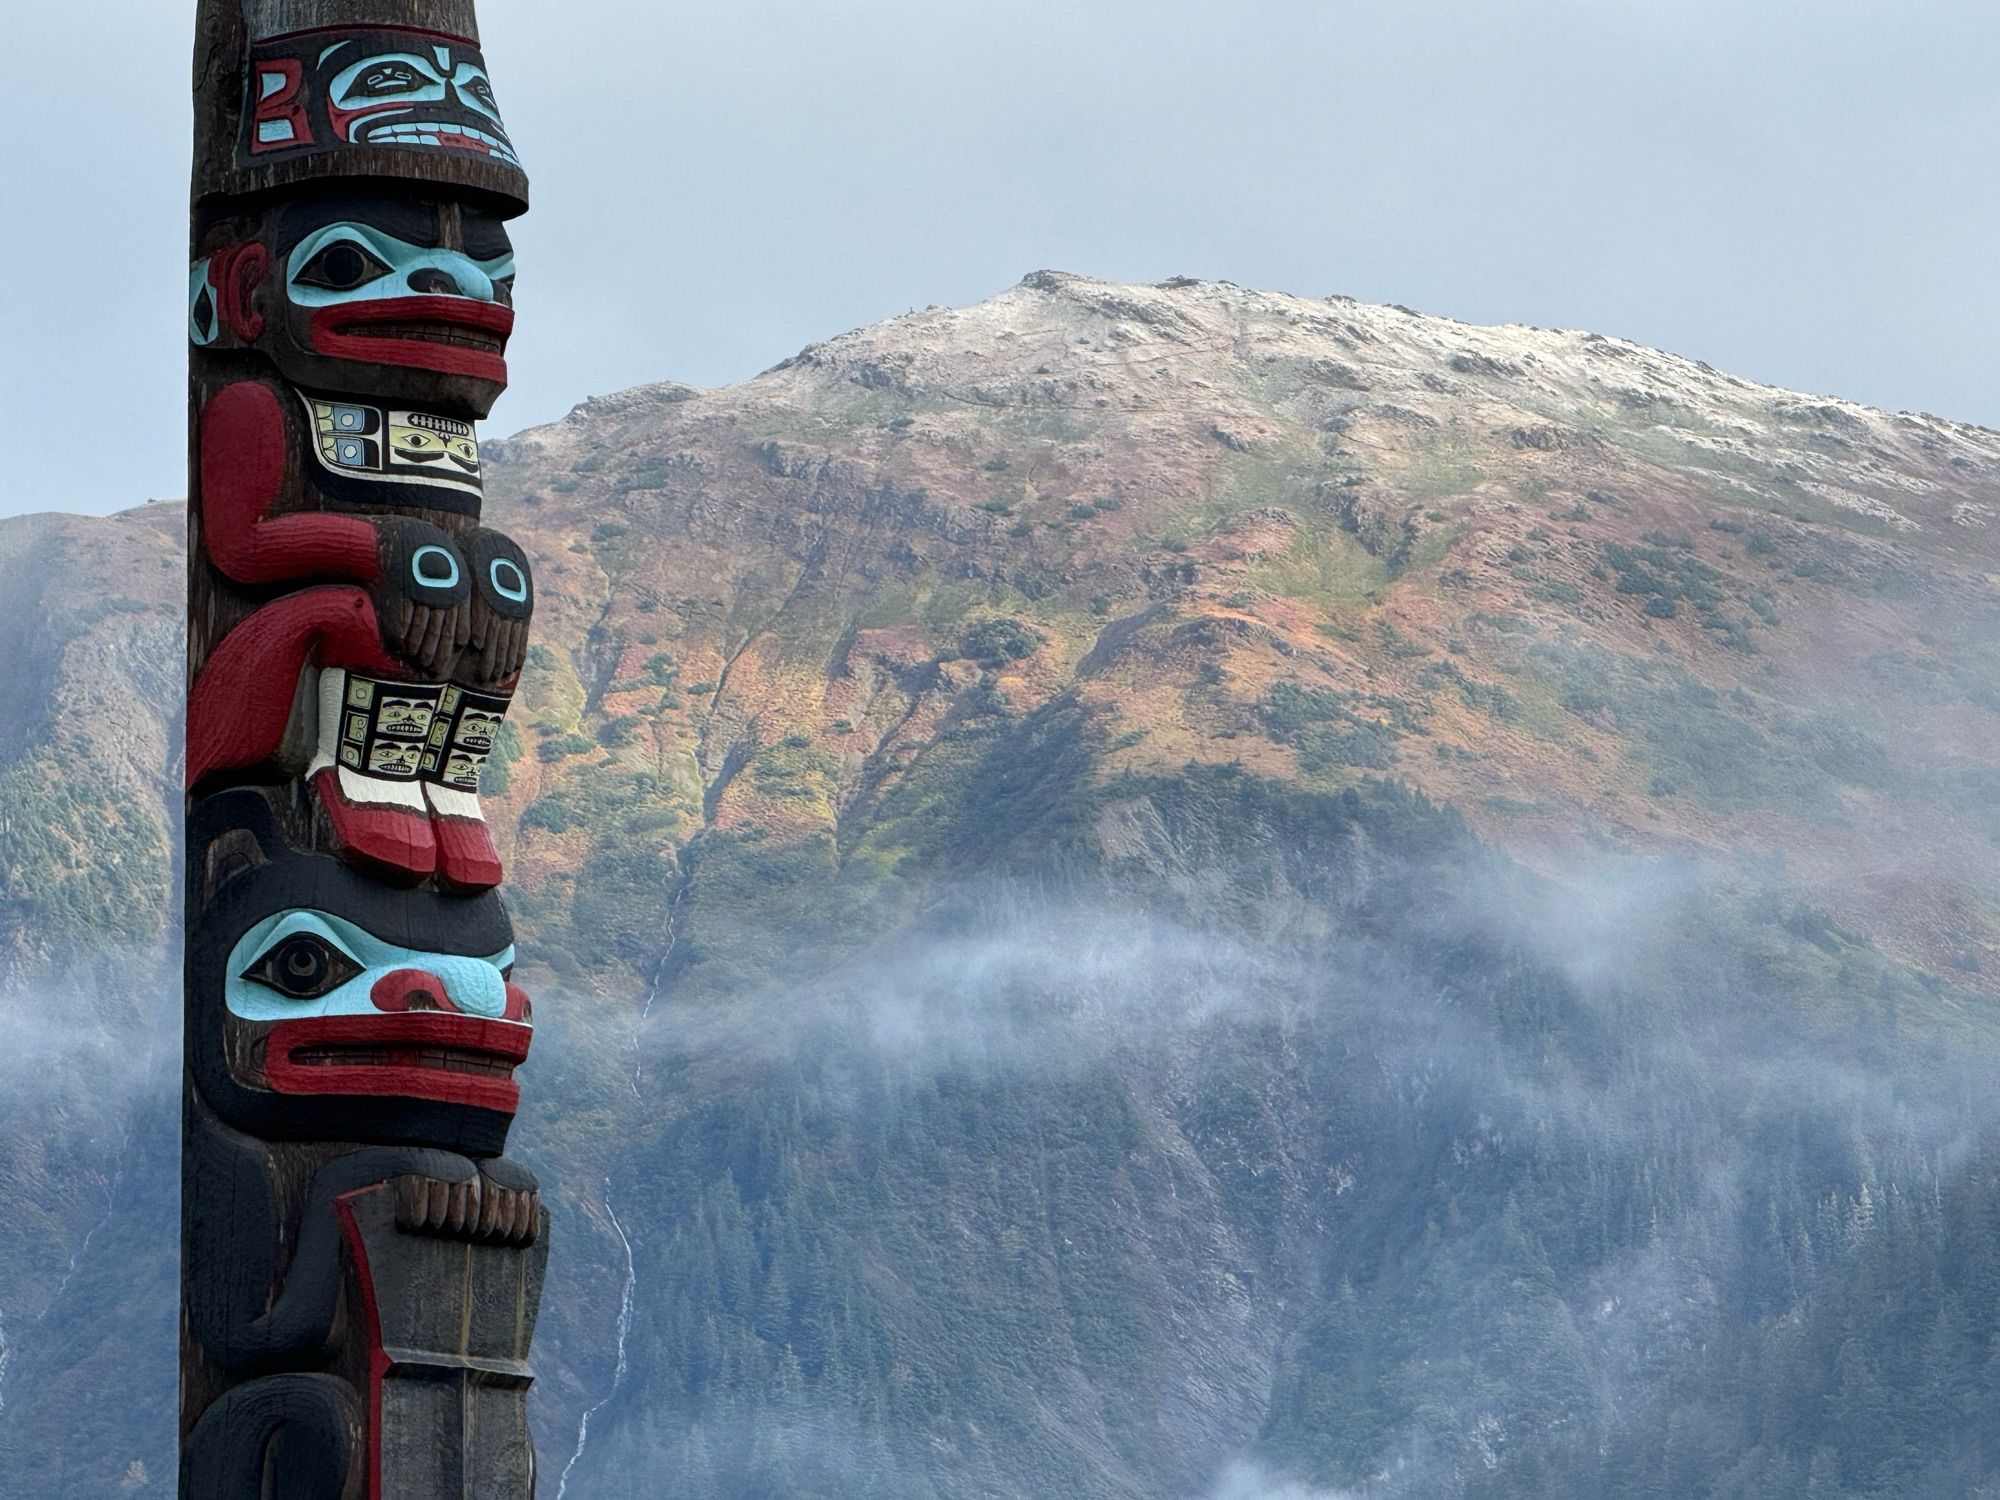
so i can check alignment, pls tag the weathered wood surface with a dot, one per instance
(362, 1265)
(228, 33)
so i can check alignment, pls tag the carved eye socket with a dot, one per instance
(304, 967)
(385, 79)
(503, 291)
(509, 582)
(341, 267)
(433, 567)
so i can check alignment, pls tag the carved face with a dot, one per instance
(382, 298)
(362, 291)
(351, 1012)
(420, 443)
(367, 453)
(324, 1005)
(323, 90)
(478, 731)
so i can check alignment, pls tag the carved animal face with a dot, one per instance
(324, 1005)
(318, 91)
(398, 762)
(388, 297)
(365, 290)
(438, 98)
(350, 1012)
(370, 454)
(420, 443)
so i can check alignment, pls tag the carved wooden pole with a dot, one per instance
(361, 1265)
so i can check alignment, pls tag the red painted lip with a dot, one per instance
(450, 335)
(415, 1055)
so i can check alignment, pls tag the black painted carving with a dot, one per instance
(362, 1263)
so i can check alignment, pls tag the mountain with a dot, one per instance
(89, 717)
(1161, 891)
(1589, 594)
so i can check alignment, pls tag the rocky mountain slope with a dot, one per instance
(1589, 594)
(89, 725)
(1143, 888)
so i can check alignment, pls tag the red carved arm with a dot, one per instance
(240, 705)
(243, 451)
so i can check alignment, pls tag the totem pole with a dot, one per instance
(362, 1265)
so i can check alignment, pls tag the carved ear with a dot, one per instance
(229, 856)
(238, 274)
(229, 833)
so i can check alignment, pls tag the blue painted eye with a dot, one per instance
(341, 267)
(390, 77)
(509, 582)
(476, 90)
(396, 76)
(304, 966)
(435, 568)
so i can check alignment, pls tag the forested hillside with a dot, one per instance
(1155, 892)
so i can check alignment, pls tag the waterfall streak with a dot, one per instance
(653, 994)
(624, 1333)
(110, 1210)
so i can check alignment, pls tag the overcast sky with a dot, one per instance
(1800, 191)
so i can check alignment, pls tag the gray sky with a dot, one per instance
(1799, 191)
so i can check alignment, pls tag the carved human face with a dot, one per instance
(322, 1004)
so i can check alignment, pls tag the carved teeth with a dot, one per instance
(517, 1217)
(491, 1203)
(430, 133)
(478, 1210)
(439, 1207)
(412, 1203)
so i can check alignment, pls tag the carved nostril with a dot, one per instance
(519, 1006)
(410, 990)
(434, 282)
